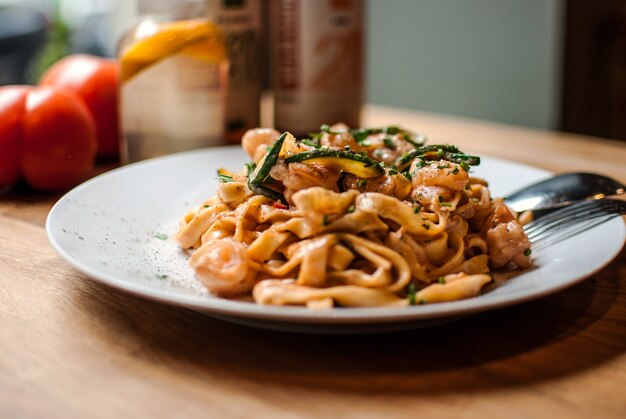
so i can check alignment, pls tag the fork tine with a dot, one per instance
(576, 210)
(584, 215)
(573, 209)
(569, 218)
(553, 228)
(539, 243)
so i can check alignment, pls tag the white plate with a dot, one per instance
(109, 227)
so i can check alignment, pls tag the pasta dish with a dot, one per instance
(351, 218)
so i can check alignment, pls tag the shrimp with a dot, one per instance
(297, 176)
(436, 182)
(439, 173)
(385, 147)
(396, 185)
(255, 141)
(506, 239)
(223, 266)
(339, 137)
(426, 195)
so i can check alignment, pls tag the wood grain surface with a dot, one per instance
(70, 348)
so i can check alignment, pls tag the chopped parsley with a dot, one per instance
(224, 178)
(160, 236)
(392, 129)
(361, 183)
(464, 166)
(455, 170)
(311, 143)
(161, 276)
(407, 174)
(411, 294)
(443, 203)
(417, 209)
(441, 280)
(419, 163)
(527, 252)
(350, 209)
(207, 206)
(250, 166)
(326, 128)
(326, 220)
(389, 143)
(415, 140)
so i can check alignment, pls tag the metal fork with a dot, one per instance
(573, 219)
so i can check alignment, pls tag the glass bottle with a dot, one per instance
(240, 22)
(316, 63)
(173, 76)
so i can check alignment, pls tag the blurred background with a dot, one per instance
(555, 64)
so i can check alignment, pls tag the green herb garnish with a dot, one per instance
(311, 143)
(160, 236)
(326, 128)
(250, 166)
(528, 252)
(389, 143)
(224, 178)
(411, 294)
(361, 183)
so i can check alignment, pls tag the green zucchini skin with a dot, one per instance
(262, 171)
(350, 162)
(271, 157)
(361, 134)
(270, 193)
(438, 152)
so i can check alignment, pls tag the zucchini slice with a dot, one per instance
(346, 161)
(438, 152)
(262, 171)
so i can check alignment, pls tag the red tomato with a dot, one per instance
(12, 100)
(59, 143)
(95, 80)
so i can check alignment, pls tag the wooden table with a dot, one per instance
(70, 348)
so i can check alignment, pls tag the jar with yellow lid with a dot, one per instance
(173, 75)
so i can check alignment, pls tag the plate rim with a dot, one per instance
(290, 314)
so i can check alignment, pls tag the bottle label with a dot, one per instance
(240, 21)
(317, 63)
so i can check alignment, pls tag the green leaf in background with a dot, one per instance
(56, 47)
